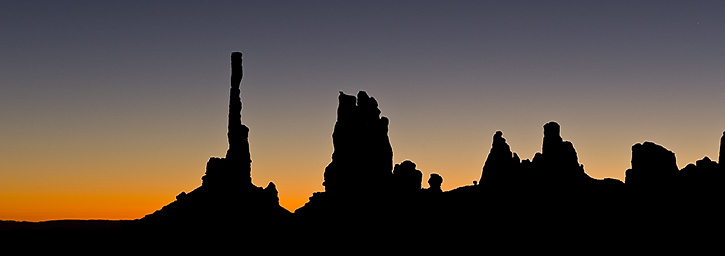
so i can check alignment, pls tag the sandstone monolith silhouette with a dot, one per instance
(363, 157)
(227, 196)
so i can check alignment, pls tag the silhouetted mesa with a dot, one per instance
(652, 165)
(654, 170)
(227, 197)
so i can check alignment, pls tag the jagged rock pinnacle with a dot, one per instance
(362, 156)
(500, 163)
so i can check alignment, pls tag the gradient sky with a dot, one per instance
(109, 109)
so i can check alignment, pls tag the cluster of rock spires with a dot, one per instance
(557, 166)
(365, 190)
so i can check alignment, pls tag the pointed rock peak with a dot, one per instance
(271, 186)
(270, 192)
(499, 141)
(500, 161)
(499, 145)
(498, 138)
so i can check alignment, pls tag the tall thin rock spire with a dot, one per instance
(235, 133)
(238, 134)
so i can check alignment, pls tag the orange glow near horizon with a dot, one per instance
(84, 201)
(76, 187)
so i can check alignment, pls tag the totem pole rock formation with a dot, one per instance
(227, 196)
(236, 167)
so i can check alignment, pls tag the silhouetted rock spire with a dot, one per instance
(558, 152)
(363, 158)
(360, 181)
(237, 133)
(235, 169)
(558, 157)
(227, 196)
(500, 164)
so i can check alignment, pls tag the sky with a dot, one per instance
(109, 109)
